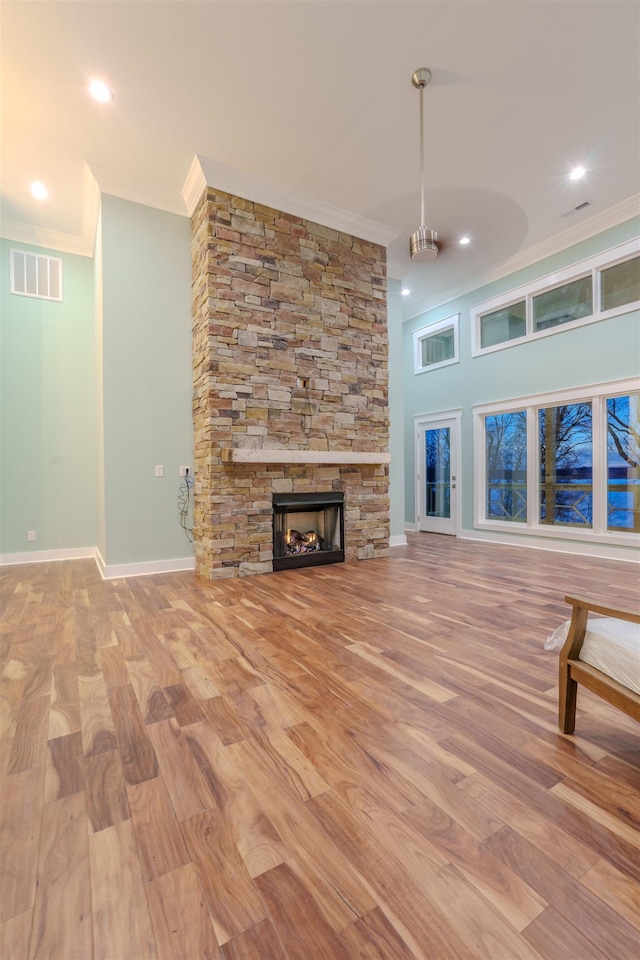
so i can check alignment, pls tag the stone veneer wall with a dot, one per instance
(277, 301)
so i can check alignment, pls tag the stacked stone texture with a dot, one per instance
(290, 351)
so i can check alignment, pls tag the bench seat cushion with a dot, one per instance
(613, 646)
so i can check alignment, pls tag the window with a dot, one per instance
(436, 345)
(558, 465)
(623, 463)
(603, 286)
(506, 466)
(438, 472)
(36, 275)
(620, 284)
(508, 323)
(571, 301)
(566, 464)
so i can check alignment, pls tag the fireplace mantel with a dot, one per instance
(275, 455)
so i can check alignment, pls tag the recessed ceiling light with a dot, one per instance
(464, 241)
(100, 91)
(405, 291)
(577, 173)
(39, 190)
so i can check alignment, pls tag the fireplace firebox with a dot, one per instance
(308, 529)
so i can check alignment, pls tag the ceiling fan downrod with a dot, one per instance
(423, 243)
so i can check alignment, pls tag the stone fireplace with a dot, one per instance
(290, 380)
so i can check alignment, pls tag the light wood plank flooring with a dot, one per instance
(336, 763)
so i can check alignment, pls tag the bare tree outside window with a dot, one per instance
(506, 460)
(566, 464)
(438, 456)
(623, 463)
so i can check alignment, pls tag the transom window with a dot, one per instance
(563, 304)
(598, 288)
(436, 345)
(562, 464)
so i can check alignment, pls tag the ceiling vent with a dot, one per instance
(581, 206)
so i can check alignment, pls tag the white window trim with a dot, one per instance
(592, 265)
(452, 322)
(596, 395)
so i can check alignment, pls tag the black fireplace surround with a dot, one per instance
(308, 529)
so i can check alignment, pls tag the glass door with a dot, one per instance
(437, 484)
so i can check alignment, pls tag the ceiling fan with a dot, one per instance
(423, 244)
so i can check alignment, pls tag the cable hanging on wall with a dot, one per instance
(185, 505)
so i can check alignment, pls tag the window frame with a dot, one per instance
(593, 266)
(428, 331)
(597, 395)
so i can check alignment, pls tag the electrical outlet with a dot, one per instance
(159, 470)
(184, 471)
(31, 534)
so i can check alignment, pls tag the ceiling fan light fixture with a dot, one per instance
(423, 243)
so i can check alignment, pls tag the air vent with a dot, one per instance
(581, 206)
(35, 275)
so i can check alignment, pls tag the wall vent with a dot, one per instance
(36, 275)
(581, 206)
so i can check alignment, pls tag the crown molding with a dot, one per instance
(136, 190)
(42, 237)
(90, 209)
(194, 185)
(396, 269)
(598, 223)
(241, 184)
(82, 244)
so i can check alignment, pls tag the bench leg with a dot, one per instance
(568, 690)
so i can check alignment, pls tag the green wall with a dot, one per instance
(146, 372)
(96, 390)
(47, 412)
(595, 353)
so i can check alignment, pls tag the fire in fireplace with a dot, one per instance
(296, 542)
(308, 529)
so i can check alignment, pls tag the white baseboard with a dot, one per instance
(116, 571)
(411, 527)
(47, 556)
(107, 572)
(600, 550)
(399, 540)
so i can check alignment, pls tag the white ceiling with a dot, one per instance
(315, 96)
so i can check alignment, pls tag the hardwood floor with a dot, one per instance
(328, 764)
